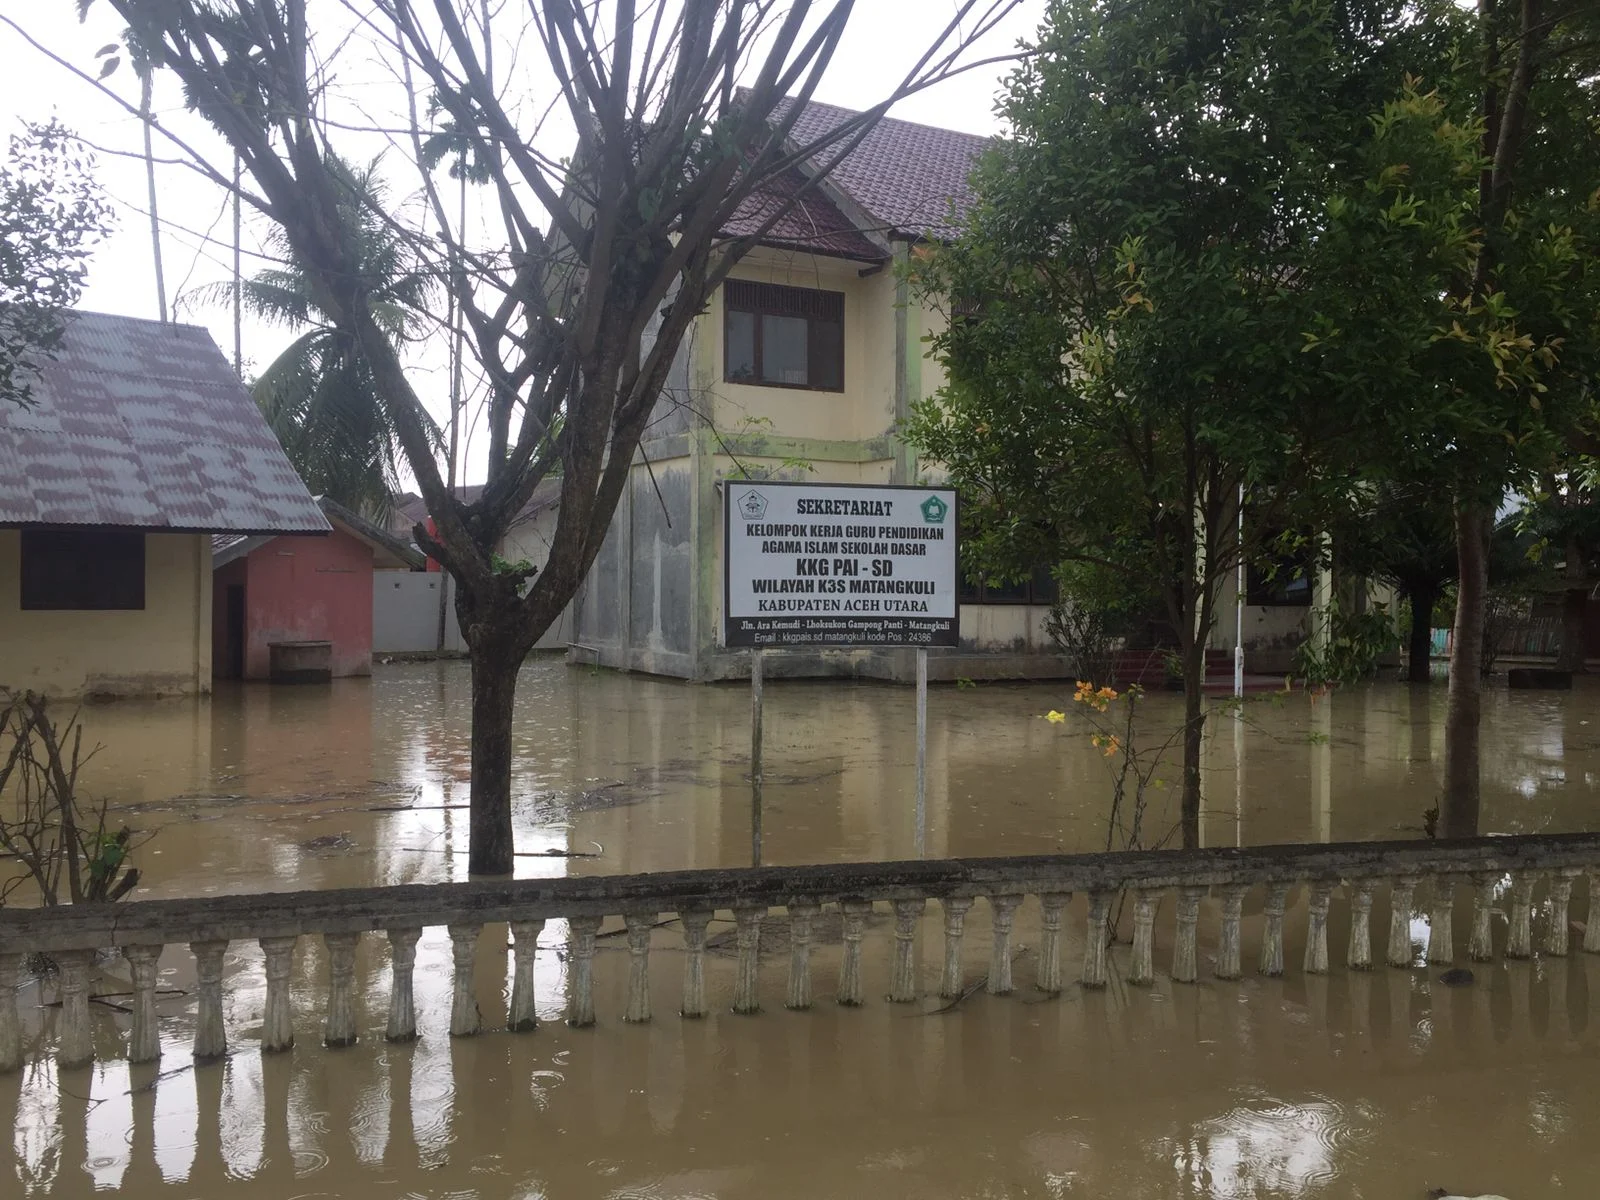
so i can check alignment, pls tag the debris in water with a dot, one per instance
(1457, 977)
(328, 843)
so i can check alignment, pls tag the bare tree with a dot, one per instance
(683, 110)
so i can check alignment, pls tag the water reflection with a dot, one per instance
(1355, 1084)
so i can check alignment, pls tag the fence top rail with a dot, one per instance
(346, 910)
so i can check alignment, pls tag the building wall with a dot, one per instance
(310, 589)
(405, 614)
(164, 649)
(653, 600)
(529, 539)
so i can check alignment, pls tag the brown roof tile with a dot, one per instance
(142, 425)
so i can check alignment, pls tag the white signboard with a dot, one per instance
(818, 564)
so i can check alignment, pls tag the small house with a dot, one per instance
(137, 445)
(288, 590)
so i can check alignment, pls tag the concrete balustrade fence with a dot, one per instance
(1354, 872)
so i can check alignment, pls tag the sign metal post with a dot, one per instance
(817, 566)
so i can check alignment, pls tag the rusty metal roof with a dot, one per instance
(139, 425)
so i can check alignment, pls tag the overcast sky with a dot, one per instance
(882, 42)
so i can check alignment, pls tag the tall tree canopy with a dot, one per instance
(605, 251)
(52, 214)
(1165, 297)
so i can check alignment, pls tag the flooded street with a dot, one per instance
(1359, 1085)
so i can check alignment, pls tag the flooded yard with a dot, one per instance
(1354, 1085)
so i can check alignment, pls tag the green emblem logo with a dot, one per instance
(934, 510)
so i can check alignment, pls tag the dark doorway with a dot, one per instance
(233, 666)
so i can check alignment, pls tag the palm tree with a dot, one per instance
(336, 426)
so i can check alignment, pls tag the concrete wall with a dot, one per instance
(164, 649)
(405, 613)
(309, 589)
(653, 600)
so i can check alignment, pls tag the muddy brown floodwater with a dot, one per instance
(1364, 1086)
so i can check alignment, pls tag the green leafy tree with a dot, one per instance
(1165, 297)
(52, 214)
(339, 428)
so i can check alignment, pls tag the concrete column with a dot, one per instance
(903, 979)
(1141, 966)
(1359, 955)
(956, 909)
(580, 981)
(802, 920)
(1229, 941)
(524, 1014)
(1094, 940)
(340, 1028)
(277, 1020)
(465, 1019)
(144, 1041)
(1271, 964)
(210, 1040)
(747, 930)
(1003, 911)
(74, 1032)
(1557, 939)
(1519, 936)
(402, 1026)
(1402, 892)
(640, 925)
(1051, 906)
(851, 992)
(694, 957)
(1316, 962)
(1480, 945)
(1441, 927)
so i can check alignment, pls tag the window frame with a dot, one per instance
(782, 300)
(101, 551)
(1039, 590)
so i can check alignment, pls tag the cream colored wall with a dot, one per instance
(866, 406)
(164, 649)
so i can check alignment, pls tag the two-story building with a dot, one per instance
(802, 367)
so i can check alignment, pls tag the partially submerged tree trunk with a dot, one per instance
(1463, 706)
(1419, 651)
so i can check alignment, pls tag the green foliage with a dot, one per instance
(52, 215)
(1349, 647)
(338, 428)
(1095, 611)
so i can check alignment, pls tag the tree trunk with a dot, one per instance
(1464, 703)
(1574, 611)
(494, 693)
(1420, 650)
(1194, 724)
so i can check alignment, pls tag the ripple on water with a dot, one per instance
(1269, 1145)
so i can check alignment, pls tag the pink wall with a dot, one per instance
(305, 589)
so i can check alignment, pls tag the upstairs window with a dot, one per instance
(783, 336)
(82, 569)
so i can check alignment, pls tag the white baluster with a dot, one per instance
(1186, 946)
(1591, 929)
(1003, 911)
(640, 925)
(802, 921)
(1359, 955)
(1401, 894)
(694, 957)
(339, 1028)
(1556, 938)
(1480, 945)
(903, 978)
(1051, 906)
(851, 991)
(524, 1014)
(1230, 941)
(1094, 940)
(956, 909)
(277, 1019)
(210, 1039)
(402, 1026)
(1272, 910)
(1141, 962)
(580, 958)
(747, 935)
(75, 1033)
(1519, 932)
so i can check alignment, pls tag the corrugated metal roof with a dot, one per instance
(142, 425)
(912, 177)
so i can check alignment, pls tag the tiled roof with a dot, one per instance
(911, 178)
(813, 224)
(141, 425)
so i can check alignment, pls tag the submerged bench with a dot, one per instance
(141, 930)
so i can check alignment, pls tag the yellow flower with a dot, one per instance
(1055, 717)
(1106, 693)
(1111, 745)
